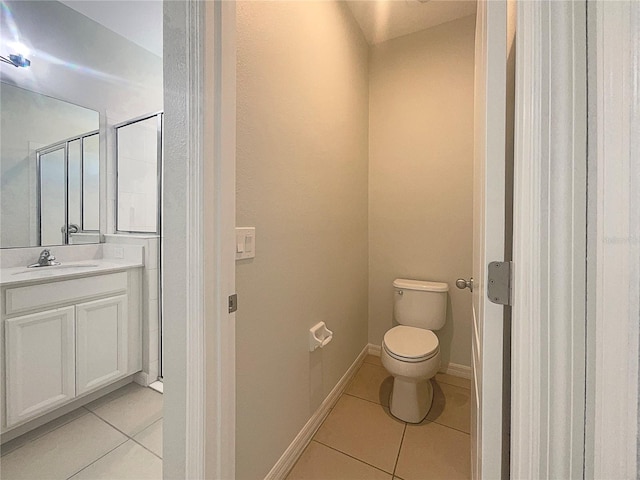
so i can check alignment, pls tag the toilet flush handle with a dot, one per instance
(461, 283)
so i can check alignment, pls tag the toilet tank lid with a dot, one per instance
(420, 285)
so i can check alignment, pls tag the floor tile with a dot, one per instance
(62, 452)
(132, 412)
(451, 407)
(128, 388)
(129, 461)
(151, 438)
(433, 451)
(373, 383)
(319, 462)
(363, 430)
(451, 380)
(30, 436)
(373, 359)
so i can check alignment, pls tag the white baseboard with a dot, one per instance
(142, 379)
(290, 456)
(452, 369)
(456, 370)
(374, 349)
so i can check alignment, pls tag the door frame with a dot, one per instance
(550, 200)
(199, 239)
(550, 242)
(612, 437)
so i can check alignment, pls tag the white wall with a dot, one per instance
(138, 176)
(302, 104)
(78, 60)
(420, 174)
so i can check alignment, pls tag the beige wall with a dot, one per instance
(302, 93)
(420, 174)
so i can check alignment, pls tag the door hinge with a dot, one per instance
(499, 283)
(233, 303)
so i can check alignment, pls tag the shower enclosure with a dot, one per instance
(138, 212)
(68, 184)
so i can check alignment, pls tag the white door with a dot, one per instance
(488, 238)
(40, 359)
(101, 344)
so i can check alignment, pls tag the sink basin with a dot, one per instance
(56, 267)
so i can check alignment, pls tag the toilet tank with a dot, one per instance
(419, 303)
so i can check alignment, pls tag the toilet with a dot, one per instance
(410, 351)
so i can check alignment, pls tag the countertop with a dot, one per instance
(81, 268)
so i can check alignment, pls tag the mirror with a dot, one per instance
(49, 171)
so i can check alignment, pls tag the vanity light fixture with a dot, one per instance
(17, 59)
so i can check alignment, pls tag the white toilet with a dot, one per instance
(410, 351)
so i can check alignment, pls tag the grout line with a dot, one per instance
(448, 426)
(395, 466)
(101, 456)
(125, 433)
(144, 446)
(45, 433)
(415, 424)
(129, 437)
(350, 456)
(366, 400)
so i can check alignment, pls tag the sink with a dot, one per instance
(57, 267)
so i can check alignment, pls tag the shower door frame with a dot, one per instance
(159, 116)
(64, 145)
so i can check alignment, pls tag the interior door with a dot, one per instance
(489, 451)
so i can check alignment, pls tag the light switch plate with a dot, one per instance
(245, 242)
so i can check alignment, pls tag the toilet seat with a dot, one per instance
(410, 344)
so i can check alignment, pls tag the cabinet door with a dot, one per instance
(101, 342)
(40, 360)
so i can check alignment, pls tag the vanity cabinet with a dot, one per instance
(40, 353)
(101, 342)
(64, 339)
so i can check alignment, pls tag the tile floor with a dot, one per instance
(360, 439)
(118, 436)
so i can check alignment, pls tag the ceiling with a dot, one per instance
(139, 21)
(382, 20)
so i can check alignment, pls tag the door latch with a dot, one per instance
(233, 303)
(499, 283)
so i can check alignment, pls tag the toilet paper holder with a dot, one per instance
(319, 336)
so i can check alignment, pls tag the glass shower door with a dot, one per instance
(53, 194)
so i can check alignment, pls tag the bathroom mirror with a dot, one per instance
(49, 171)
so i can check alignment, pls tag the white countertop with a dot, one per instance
(72, 269)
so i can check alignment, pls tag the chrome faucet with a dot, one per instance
(45, 260)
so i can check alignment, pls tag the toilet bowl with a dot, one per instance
(411, 351)
(412, 356)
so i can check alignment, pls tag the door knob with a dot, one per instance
(461, 283)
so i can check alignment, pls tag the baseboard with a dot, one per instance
(142, 379)
(452, 369)
(374, 349)
(456, 370)
(290, 456)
